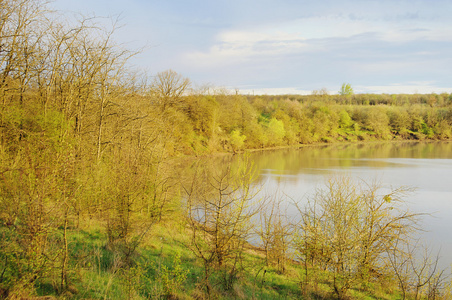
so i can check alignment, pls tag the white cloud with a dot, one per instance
(409, 88)
(238, 46)
(428, 32)
(274, 41)
(275, 91)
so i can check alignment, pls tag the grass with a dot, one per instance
(163, 267)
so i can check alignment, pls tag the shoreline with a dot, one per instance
(300, 146)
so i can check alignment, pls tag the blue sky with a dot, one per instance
(288, 46)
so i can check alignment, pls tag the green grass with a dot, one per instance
(163, 267)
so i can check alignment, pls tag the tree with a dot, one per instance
(325, 122)
(418, 274)
(274, 232)
(348, 229)
(323, 92)
(377, 120)
(275, 132)
(346, 89)
(399, 120)
(236, 140)
(345, 121)
(220, 208)
(169, 87)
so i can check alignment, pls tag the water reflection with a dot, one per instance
(425, 166)
(297, 173)
(321, 159)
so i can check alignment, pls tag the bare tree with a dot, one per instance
(417, 272)
(349, 228)
(220, 208)
(274, 232)
(169, 87)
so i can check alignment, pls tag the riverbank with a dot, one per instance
(164, 268)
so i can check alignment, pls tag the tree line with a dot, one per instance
(86, 140)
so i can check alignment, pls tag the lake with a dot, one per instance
(427, 167)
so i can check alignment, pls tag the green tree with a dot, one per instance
(346, 90)
(345, 121)
(275, 132)
(325, 123)
(291, 127)
(399, 120)
(378, 121)
(237, 140)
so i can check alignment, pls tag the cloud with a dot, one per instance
(309, 35)
(429, 33)
(241, 46)
(404, 88)
(271, 41)
(409, 88)
(275, 91)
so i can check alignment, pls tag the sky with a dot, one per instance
(287, 46)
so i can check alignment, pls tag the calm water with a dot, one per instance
(424, 166)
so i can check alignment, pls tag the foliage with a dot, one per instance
(275, 131)
(346, 89)
(237, 140)
(173, 278)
